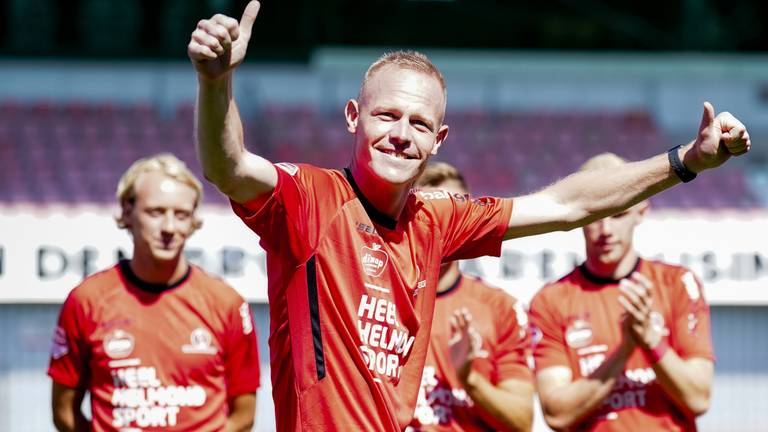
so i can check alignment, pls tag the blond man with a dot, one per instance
(157, 342)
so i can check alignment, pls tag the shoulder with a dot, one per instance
(216, 288)
(97, 285)
(480, 289)
(675, 277)
(554, 293)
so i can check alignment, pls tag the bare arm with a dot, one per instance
(510, 402)
(65, 405)
(217, 46)
(586, 196)
(565, 402)
(242, 410)
(687, 382)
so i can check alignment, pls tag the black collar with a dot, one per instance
(156, 288)
(599, 280)
(373, 213)
(451, 288)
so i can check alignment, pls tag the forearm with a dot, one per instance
(566, 405)
(688, 385)
(238, 424)
(512, 409)
(219, 128)
(594, 194)
(242, 410)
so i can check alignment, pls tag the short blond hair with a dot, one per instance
(405, 59)
(603, 160)
(438, 173)
(165, 163)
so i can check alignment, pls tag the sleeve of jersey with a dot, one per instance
(513, 343)
(547, 335)
(68, 351)
(243, 371)
(280, 218)
(472, 227)
(692, 332)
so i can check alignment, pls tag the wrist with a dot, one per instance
(681, 160)
(655, 353)
(689, 155)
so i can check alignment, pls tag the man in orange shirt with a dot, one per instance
(158, 343)
(622, 343)
(353, 256)
(476, 375)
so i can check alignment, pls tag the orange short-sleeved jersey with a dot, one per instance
(575, 322)
(501, 322)
(156, 358)
(351, 293)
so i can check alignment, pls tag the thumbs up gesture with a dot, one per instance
(719, 137)
(218, 44)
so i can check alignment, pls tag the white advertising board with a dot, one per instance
(45, 252)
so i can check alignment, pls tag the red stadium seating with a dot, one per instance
(75, 152)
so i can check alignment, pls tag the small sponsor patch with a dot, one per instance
(290, 168)
(59, 345)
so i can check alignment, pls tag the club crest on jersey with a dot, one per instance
(374, 260)
(579, 334)
(118, 344)
(200, 342)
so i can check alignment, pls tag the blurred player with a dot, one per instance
(354, 257)
(158, 343)
(476, 376)
(624, 342)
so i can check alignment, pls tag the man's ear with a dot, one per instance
(442, 134)
(124, 220)
(352, 113)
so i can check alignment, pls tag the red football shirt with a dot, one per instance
(577, 320)
(156, 357)
(443, 405)
(351, 293)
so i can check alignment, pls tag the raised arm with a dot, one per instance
(586, 196)
(217, 46)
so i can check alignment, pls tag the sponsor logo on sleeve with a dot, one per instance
(374, 259)
(691, 286)
(118, 344)
(200, 342)
(290, 168)
(59, 344)
(245, 316)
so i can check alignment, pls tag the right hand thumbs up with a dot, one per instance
(218, 45)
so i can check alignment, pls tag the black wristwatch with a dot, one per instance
(683, 173)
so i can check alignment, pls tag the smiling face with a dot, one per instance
(397, 124)
(161, 216)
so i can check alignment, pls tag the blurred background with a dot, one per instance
(88, 86)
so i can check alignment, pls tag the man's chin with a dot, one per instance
(396, 176)
(165, 256)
